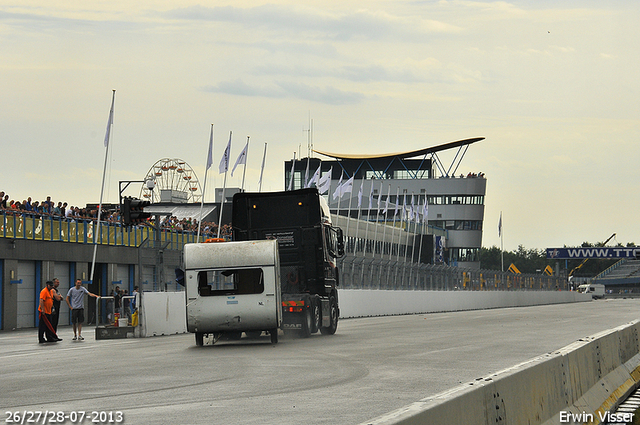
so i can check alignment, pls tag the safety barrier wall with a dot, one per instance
(579, 383)
(364, 303)
(164, 313)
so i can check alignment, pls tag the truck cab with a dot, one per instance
(309, 246)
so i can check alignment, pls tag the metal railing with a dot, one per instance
(388, 274)
(50, 228)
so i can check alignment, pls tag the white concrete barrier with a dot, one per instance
(577, 384)
(365, 303)
(163, 313)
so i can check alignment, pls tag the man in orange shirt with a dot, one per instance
(45, 328)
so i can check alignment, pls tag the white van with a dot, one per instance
(595, 289)
(232, 287)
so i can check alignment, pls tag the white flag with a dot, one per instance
(371, 195)
(242, 158)
(324, 182)
(347, 186)
(425, 211)
(404, 207)
(336, 193)
(306, 174)
(109, 121)
(264, 157)
(386, 203)
(293, 168)
(210, 154)
(395, 212)
(224, 161)
(360, 194)
(413, 213)
(315, 177)
(500, 225)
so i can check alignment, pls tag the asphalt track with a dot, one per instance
(369, 367)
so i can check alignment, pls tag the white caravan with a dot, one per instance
(232, 287)
(595, 289)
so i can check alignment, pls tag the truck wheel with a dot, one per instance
(333, 326)
(274, 335)
(199, 339)
(307, 325)
(317, 319)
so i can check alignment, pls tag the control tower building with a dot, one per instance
(455, 200)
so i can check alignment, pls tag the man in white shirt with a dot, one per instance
(76, 305)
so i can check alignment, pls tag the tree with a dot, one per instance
(535, 260)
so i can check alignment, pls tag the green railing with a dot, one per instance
(57, 229)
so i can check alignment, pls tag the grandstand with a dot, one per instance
(622, 277)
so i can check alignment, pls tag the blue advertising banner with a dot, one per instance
(593, 253)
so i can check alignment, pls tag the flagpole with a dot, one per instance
(224, 184)
(384, 229)
(375, 230)
(402, 212)
(204, 187)
(104, 172)
(293, 169)
(306, 174)
(501, 242)
(395, 213)
(349, 212)
(264, 156)
(366, 231)
(406, 248)
(329, 188)
(335, 194)
(355, 245)
(424, 220)
(244, 170)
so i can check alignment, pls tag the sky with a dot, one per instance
(552, 86)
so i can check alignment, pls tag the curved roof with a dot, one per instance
(403, 155)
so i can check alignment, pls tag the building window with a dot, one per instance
(454, 200)
(457, 224)
(464, 254)
(410, 174)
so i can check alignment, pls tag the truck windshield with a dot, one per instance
(230, 282)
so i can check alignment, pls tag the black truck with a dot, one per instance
(309, 246)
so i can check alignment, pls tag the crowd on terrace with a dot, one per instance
(64, 211)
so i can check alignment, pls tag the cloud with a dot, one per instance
(354, 73)
(328, 95)
(316, 23)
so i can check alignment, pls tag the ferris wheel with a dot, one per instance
(173, 181)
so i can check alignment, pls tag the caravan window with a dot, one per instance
(230, 282)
